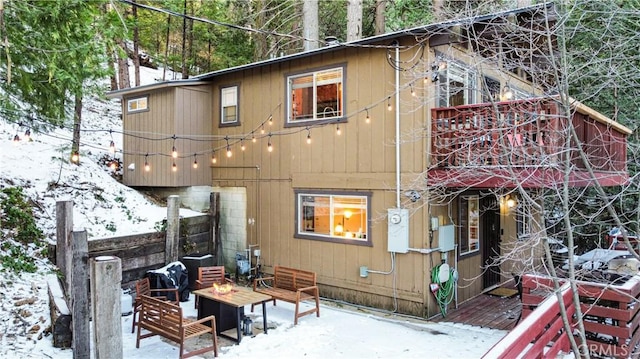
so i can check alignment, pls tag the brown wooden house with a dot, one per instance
(327, 159)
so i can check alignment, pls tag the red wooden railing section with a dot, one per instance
(525, 133)
(538, 336)
(611, 317)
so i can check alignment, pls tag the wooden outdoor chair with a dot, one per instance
(209, 275)
(143, 287)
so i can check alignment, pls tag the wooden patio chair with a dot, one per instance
(209, 275)
(143, 287)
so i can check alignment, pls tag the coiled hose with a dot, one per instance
(445, 291)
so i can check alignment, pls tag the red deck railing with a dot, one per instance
(525, 135)
(611, 318)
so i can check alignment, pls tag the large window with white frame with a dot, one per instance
(337, 217)
(229, 105)
(138, 104)
(456, 85)
(316, 95)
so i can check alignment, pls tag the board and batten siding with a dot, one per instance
(182, 111)
(362, 158)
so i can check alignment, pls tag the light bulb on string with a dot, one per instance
(214, 160)
(242, 147)
(27, 135)
(338, 131)
(113, 165)
(174, 152)
(413, 93)
(389, 104)
(367, 119)
(262, 129)
(75, 157)
(147, 168)
(228, 147)
(270, 120)
(269, 146)
(195, 161)
(16, 139)
(253, 138)
(308, 136)
(174, 167)
(112, 147)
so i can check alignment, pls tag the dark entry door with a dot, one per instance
(490, 238)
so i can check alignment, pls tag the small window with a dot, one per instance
(229, 105)
(315, 96)
(137, 104)
(469, 229)
(333, 217)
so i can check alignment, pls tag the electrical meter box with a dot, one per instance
(398, 230)
(446, 238)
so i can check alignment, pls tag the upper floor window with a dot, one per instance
(229, 105)
(456, 85)
(315, 95)
(337, 217)
(138, 104)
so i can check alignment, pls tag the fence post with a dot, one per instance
(79, 294)
(106, 278)
(173, 229)
(64, 226)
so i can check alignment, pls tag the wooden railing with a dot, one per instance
(540, 335)
(525, 133)
(610, 313)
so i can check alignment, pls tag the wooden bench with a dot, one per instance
(163, 318)
(290, 285)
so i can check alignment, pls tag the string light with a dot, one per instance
(174, 153)
(147, 168)
(228, 147)
(389, 104)
(27, 135)
(269, 147)
(195, 161)
(75, 157)
(174, 168)
(242, 145)
(367, 119)
(270, 120)
(308, 136)
(413, 93)
(338, 131)
(112, 147)
(253, 137)
(113, 165)
(214, 160)
(16, 139)
(262, 129)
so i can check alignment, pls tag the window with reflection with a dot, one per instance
(337, 217)
(315, 95)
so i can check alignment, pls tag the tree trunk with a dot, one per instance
(310, 24)
(354, 20)
(260, 52)
(166, 49)
(136, 41)
(380, 23)
(185, 70)
(123, 67)
(77, 122)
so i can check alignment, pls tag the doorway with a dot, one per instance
(490, 234)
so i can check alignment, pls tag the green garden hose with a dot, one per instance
(445, 291)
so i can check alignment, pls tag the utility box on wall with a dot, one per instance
(398, 230)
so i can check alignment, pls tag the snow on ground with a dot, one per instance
(106, 208)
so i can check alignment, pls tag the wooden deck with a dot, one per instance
(485, 311)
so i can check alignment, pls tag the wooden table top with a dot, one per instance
(238, 297)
